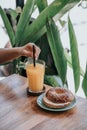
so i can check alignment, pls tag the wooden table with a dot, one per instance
(21, 112)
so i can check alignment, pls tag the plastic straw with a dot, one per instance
(34, 55)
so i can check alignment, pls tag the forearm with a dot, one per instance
(9, 54)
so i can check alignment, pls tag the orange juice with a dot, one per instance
(35, 76)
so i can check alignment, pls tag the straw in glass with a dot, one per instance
(34, 56)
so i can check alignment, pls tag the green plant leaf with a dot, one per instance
(42, 4)
(13, 13)
(62, 22)
(24, 19)
(7, 26)
(53, 80)
(74, 55)
(59, 7)
(57, 49)
(69, 62)
(84, 82)
(39, 34)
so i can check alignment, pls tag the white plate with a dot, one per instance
(41, 104)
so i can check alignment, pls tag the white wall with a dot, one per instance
(8, 4)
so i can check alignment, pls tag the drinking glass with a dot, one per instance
(35, 75)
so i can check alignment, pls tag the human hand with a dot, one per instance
(27, 50)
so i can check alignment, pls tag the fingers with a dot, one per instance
(37, 50)
(29, 50)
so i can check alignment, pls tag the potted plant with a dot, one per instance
(44, 32)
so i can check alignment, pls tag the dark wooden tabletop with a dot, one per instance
(21, 112)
